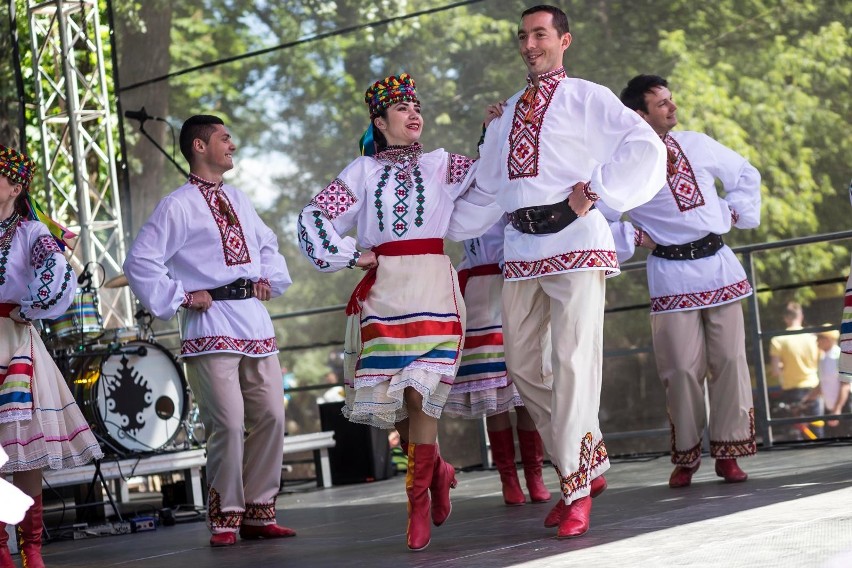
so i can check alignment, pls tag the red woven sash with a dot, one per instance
(481, 270)
(397, 248)
(6, 309)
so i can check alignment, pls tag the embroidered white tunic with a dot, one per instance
(33, 271)
(578, 131)
(440, 201)
(687, 209)
(193, 242)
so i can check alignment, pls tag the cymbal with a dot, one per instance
(117, 282)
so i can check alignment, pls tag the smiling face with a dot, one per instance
(662, 112)
(540, 44)
(9, 191)
(402, 124)
(217, 154)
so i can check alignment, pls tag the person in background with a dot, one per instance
(206, 250)
(406, 318)
(41, 425)
(794, 359)
(833, 387)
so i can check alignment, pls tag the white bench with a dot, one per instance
(319, 443)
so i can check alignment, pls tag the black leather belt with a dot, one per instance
(702, 248)
(241, 289)
(543, 219)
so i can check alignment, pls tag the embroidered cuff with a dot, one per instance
(482, 137)
(187, 299)
(735, 217)
(354, 259)
(590, 195)
(638, 237)
(264, 281)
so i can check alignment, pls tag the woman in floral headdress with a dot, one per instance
(40, 424)
(406, 317)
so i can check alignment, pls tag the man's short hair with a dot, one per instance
(201, 126)
(793, 310)
(633, 95)
(560, 18)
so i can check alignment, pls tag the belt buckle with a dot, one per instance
(692, 249)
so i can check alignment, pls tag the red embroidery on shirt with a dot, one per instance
(681, 177)
(526, 125)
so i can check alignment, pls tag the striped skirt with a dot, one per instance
(482, 385)
(408, 334)
(54, 434)
(846, 332)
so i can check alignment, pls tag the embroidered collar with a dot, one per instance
(10, 221)
(551, 77)
(400, 154)
(202, 183)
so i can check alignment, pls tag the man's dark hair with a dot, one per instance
(633, 95)
(560, 19)
(201, 126)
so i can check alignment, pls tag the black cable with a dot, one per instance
(289, 44)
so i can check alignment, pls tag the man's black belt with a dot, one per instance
(241, 289)
(702, 248)
(543, 219)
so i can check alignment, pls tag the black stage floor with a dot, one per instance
(795, 511)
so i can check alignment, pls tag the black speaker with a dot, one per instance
(361, 453)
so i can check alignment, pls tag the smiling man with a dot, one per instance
(696, 284)
(561, 144)
(205, 249)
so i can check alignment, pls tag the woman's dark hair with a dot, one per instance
(633, 95)
(379, 138)
(21, 206)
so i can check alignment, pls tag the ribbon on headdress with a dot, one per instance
(62, 236)
(366, 144)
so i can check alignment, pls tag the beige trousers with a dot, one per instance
(236, 394)
(690, 346)
(563, 405)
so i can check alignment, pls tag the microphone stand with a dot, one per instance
(161, 149)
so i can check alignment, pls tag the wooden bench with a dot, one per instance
(319, 443)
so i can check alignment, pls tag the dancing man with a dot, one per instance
(696, 284)
(205, 249)
(562, 144)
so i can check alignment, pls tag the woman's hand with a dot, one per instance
(367, 260)
(15, 316)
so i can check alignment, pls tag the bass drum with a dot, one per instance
(135, 395)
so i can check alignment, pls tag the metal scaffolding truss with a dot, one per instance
(78, 154)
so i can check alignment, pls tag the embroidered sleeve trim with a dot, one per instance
(44, 246)
(334, 200)
(47, 280)
(354, 260)
(308, 246)
(187, 299)
(457, 167)
(224, 343)
(574, 260)
(694, 300)
(735, 217)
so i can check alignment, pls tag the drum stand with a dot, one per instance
(96, 477)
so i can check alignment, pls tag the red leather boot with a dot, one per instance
(555, 515)
(575, 519)
(729, 470)
(503, 452)
(5, 553)
(682, 476)
(29, 532)
(532, 456)
(421, 467)
(443, 479)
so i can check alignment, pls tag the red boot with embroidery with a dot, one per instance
(421, 467)
(503, 452)
(443, 479)
(532, 456)
(29, 532)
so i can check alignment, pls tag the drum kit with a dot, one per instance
(129, 387)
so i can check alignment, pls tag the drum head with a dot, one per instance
(140, 396)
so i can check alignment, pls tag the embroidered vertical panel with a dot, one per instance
(234, 244)
(681, 177)
(526, 125)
